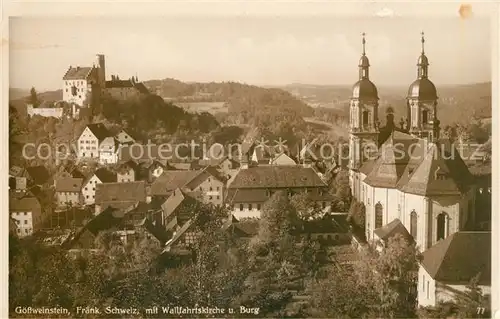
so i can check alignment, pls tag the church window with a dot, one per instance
(365, 118)
(442, 226)
(413, 224)
(425, 117)
(379, 211)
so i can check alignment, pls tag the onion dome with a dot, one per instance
(365, 89)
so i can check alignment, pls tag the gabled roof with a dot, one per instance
(439, 173)
(276, 177)
(99, 130)
(391, 163)
(69, 184)
(78, 73)
(202, 176)
(39, 174)
(108, 141)
(104, 175)
(175, 200)
(23, 204)
(171, 180)
(127, 193)
(459, 257)
(389, 230)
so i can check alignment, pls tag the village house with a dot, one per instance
(69, 191)
(126, 172)
(18, 178)
(450, 265)
(102, 175)
(108, 151)
(119, 195)
(27, 212)
(207, 182)
(253, 186)
(90, 141)
(150, 170)
(126, 137)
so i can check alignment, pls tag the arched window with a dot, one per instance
(442, 226)
(379, 212)
(365, 118)
(425, 117)
(413, 224)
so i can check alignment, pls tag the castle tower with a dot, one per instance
(422, 101)
(101, 71)
(364, 123)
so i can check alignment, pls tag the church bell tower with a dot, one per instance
(422, 101)
(363, 120)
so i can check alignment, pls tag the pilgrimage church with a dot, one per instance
(413, 176)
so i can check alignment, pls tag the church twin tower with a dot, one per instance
(365, 127)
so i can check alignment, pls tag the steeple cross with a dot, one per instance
(364, 42)
(423, 41)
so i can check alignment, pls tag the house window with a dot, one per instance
(241, 207)
(211, 189)
(379, 211)
(324, 205)
(218, 197)
(25, 222)
(413, 224)
(201, 189)
(85, 188)
(442, 226)
(218, 187)
(87, 196)
(250, 206)
(209, 197)
(258, 206)
(427, 290)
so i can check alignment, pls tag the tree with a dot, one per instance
(392, 274)
(33, 98)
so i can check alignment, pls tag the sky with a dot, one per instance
(263, 50)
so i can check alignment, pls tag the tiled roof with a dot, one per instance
(99, 130)
(39, 174)
(391, 163)
(78, 73)
(108, 141)
(139, 86)
(328, 224)
(175, 200)
(171, 180)
(105, 175)
(395, 227)
(276, 177)
(458, 258)
(23, 204)
(129, 192)
(439, 173)
(202, 176)
(69, 184)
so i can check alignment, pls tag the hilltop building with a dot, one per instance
(85, 86)
(412, 174)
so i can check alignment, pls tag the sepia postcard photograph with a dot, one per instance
(245, 165)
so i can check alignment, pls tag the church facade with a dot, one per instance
(407, 172)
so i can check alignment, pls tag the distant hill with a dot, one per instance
(456, 104)
(237, 97)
